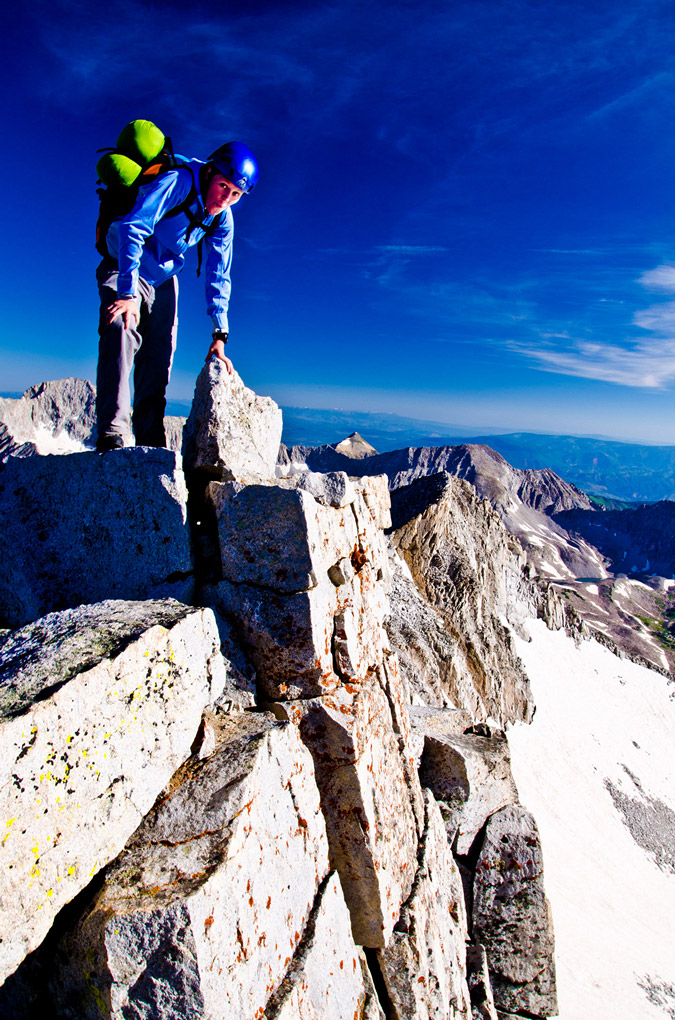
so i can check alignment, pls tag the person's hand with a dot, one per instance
(217, 350)
(127, 308)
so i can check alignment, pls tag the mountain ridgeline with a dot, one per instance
(570, 539)
(608, 469)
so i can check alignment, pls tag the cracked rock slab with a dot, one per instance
(288, 638)
(305, 587)
(279, 538)
(424, 963)
(202, 913)
(327, 979)
(367, 801)
(99, 706)
(84, 528)
(286, 539)
(511, 915)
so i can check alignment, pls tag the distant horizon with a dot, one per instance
(478, 431)
(445, 429)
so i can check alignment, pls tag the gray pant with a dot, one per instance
(148, 347)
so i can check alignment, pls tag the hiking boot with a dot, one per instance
(111, 441)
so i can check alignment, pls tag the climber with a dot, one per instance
(143, 251)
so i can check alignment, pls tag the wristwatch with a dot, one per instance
(220, 334)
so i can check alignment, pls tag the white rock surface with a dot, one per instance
(202, 912)
(87, 527)
(305, 586)
(367, 800)
(231, 433)
(332, 489)
(424, 965)
(99, 706)
(375, 489)
(326, 979)
(468, 773)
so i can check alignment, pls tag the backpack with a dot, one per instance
(142, 153)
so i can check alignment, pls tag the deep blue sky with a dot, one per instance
(465, 210)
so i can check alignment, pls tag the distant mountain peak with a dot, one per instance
(355, 446)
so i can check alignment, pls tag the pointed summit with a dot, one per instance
(355, 446)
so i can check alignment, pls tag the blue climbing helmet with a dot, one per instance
(236, 162)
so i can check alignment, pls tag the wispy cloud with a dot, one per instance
(324, 59)
(412, 249)
(390, 266)
(646, 362)
(571, 251)
(662, 278)
(663, 80)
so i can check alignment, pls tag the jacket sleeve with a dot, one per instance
(154, 200)
(217, 272)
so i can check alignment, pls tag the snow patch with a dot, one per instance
(600, 720)
(46, 442)
(552, 572)
(638, 584)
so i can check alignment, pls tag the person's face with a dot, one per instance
(220, 194)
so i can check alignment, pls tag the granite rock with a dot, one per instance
(331, 489)
(85, 528)
(201, 914)
(469, 774)
(99, 706)
(424, 963)
(305, 586)
(279, 538)
(512, 917)
(288, 638)
(326, 980)
(367, 799)
(231, 432)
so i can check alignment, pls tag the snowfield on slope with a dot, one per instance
(596, 768)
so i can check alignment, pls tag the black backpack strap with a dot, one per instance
(184, 206)
(211, 229)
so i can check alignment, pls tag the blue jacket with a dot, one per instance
(146, 245)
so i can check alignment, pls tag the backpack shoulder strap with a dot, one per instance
(211, 229)
(184, 206)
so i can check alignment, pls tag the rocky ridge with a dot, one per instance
(273, 795)
(568, 541)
